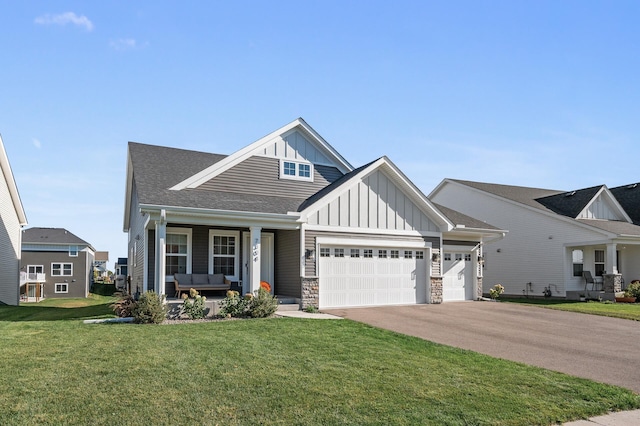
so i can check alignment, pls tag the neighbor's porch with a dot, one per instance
(612, 266)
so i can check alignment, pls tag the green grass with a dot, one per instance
(629, 311)
(93, 306)
(274, 371)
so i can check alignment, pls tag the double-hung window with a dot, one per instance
(599, 262)
(225, 253)
(578, 262)
(61, 269)
(178, 251)
(62, 288)
(296, 170)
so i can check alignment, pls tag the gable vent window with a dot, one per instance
(296, 170)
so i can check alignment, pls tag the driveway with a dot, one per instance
(594, 347)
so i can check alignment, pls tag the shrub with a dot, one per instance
(233, 305)
(123, 306)
(496, 291)
(311, 309)
(633, 290)
(149, 309)
(193, 305)
(263, 304)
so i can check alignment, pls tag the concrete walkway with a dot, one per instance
(622, 418)
(303, 314)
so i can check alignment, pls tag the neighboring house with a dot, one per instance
(290, 210)
(12, 219)
(554, 236)
(55, 263)
(121, 273)
(100, 264)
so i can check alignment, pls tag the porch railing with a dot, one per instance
(34, 277)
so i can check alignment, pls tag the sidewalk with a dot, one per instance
(620, 418)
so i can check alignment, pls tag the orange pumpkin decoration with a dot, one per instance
(265, 285)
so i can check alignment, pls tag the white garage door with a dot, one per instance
(457, 279)
(356, 276)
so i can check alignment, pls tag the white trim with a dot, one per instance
(236, 263)
(62, 274)
(249, 150)
(296, 175)
(611, 198)
(60, 292)
(5, 168)
(367, 242)
(370, 231)
(179, 231)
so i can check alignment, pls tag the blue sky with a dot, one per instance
(534, 93)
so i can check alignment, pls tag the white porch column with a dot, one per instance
(611, 261)
(161, 251)
(254, 264)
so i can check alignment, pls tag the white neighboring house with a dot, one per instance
(12, 219)
(554, 236)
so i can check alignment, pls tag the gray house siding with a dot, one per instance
(136, 250)
(287, 263)
(261, 176)
(310, 243)
(77, 284)
(9, 247)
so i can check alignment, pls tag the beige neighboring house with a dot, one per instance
(100, 264)
(12, 219)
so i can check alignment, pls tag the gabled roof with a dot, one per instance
(629, 198)
(458, 219)
(58, 236)
(570, 203)
(220, 166)
(5, 170)
(330, 192)
(158, 168)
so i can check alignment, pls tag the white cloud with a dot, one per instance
(37, 143)
(64, 19)
(125, 44)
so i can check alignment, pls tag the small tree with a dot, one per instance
(149, 309)
(263, 304)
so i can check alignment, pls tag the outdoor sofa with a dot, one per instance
(185, 282)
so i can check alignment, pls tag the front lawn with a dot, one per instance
(273, 371)
(629, 311)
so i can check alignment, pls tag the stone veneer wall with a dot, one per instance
(479, 289)
(436, 290)
(612, 283)
(310, 292)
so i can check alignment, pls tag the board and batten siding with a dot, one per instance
(373, 203)
(600, 209)
(533, 249)
(294, 146)
(9, 247)
(287, 263)
(311, 236)
(261, 176)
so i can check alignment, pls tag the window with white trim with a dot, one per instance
(577, 257)
(419, 254)
(458, 256)
(447, 257)
(395, 254)
(339, 252)
(325, 252)
(296, 170)
(467, 257)
(225, 253)
(408, 254)
(355, 252)
(61, 269)
(599, 262)
(367, 253)
(73, 251)
(382, 254)
(62, 288)
(178, 251)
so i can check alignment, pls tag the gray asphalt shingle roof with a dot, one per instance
(51, 236)
(571, 203)
(157, 168)
(458, 218)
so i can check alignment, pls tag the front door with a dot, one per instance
(266, 260)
